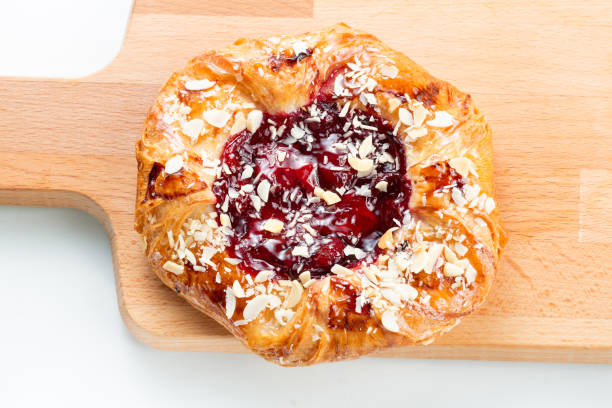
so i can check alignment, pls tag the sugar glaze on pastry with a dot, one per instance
(321, 196)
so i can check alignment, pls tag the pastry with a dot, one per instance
(321, 196)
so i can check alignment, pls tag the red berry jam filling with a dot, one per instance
(293, 195)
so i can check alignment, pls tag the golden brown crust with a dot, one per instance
(453, 215)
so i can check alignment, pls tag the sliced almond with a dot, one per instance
(174, 164)
(405, 116)
(366, 147)
(463, 166)
(273, 225)
(253, 120)
(457, 196)
(393, 104)
(418, 259)
(433, 254)
(329, 197)
(257, 305)
(451, 270)
(371, 275)
(382, 186)
(199, 85)
(406, 292)
(340, 270)
(295, 294)
(264, 276)
(174, 268)
(460, 249)
(419, 114)
(263, 190)
(230, 303)
(247, 172)
(442, 119)
(449, 254)
(386, 240)
(304, 276)
(193, 128)
(216, 117)
(489, 205)
(390, 71)
(416, 133)
(237, 289)
(300, 250)
(239, 125)
(363, 166)
(225, 220)
(389, 321)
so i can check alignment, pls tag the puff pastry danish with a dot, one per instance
(321, 196)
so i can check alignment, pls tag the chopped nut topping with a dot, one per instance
(329, 197)
(253, 120)
(273, 225)
(389, 321)
(419, 114)
(264, 276)
(256, 305)
(230, 303)
(237, 289)
(463, 166)
(449, 254)
(489, 205)
(393, 104)
(340, 270)
(432, 256)
(199, 85)
(416, 133)
(295, 294)
(263, 190)
(216, 117)
(441, 119)
(304, 276)
(363, 166)
(225, 220)
(366, 147)
(451, 270)
(405, 116)
(239, 125)
(247, 172)
(419, 259)
(390, 71)
(382, 186)
(300, 251)
(193, 128)
(386, 240)
(174, 268)
(174, 164)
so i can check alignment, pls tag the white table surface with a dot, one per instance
(62, 342)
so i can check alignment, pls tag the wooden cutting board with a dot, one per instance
(541, 70)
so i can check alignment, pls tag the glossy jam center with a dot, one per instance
(330, 213)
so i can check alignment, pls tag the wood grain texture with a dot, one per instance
(542, 72)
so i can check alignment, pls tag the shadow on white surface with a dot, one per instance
(64, 344)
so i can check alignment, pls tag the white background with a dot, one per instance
(62, 342)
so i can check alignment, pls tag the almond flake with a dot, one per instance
(174, 164)
(369, 273)
(416, 133)
(449, 254)
(225, 220)
(263, 190)
(405, 116)
(239, 125)
(216, 117)
(460, 249)
(174, 268)
(389, 321)
(230, 303)
(193, 128)
(281, 155)
(406, 292)
(386, 240)
(297, 132)
(300, 250)
(458, 198)
(463, 166)
(329, 197)
(295, 294)
(393, 104)
(199, 85)
(257, 305)
(419, 259)
(363, 166)
(385, 158)
(441, 119)
(340, 270)
(253, 120)
(489, 205)
(264, 276)
(345, 109)
(247, 172)
(451, 270)
(237, 289)
(390, 71)
(382, 186)
(366, 147)
(419, 113)
(470, 273)
(273, 225)
(304, 276)
(432, 256)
